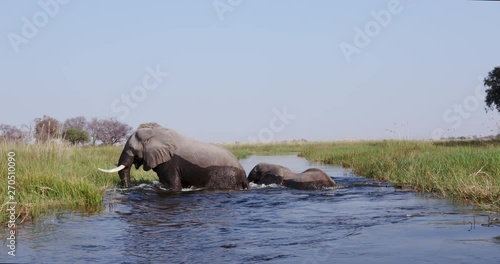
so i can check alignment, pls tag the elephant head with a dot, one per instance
(265, 173)
(149, 146)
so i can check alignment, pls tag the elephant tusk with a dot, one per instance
(117, 169)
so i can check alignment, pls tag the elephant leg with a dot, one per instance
(226, 178)
(169, 177)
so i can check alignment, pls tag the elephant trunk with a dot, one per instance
(123, 168)
(127, 161)
(252, 177)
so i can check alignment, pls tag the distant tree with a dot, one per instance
(11, 133)
(28, 131)
(79, 122)
(46, 128)
(76, 136)
(110, 131)
(492, 81)
(92, 128)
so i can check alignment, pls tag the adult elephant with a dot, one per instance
(310, 179)
(179, 161)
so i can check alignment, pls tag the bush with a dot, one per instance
(76, 136)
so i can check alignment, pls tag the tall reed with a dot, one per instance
(54, 176)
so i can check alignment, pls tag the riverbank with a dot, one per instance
(465, 171)
(53, 176)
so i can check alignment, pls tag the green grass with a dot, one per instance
(57, 177)
(467, 171)
(244, 150)
(52, 177)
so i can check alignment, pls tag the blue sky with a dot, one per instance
(235, 66)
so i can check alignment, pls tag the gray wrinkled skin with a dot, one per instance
(311, 179)
(181, 162)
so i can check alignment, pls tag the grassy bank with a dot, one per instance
(242, 151)
(460, 170)
(53, 176)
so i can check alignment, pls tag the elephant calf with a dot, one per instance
(311, 179)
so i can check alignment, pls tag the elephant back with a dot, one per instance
(204, 154)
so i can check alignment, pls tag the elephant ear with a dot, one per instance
(158, 146)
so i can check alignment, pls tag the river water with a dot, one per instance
(361, 221)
